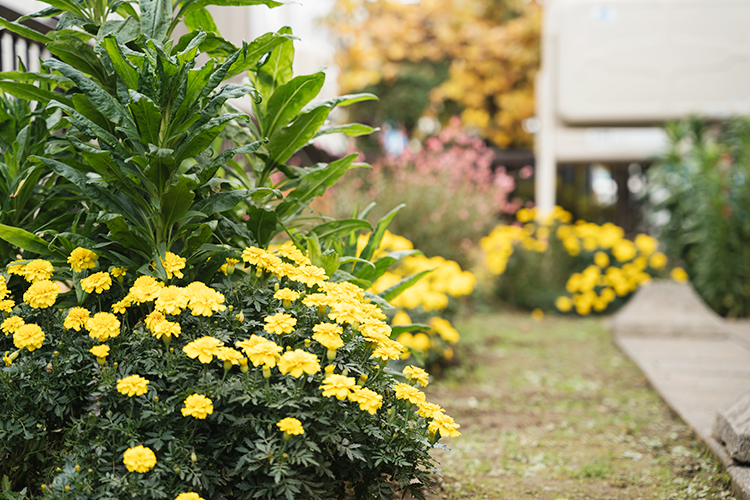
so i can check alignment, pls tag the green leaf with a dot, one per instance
(344, 100)
(88, 110)
(296, 135)
(398, 330)
(277, 68)
(377, 236)
(25, 240)
(262, 224)
(78, 55)
(202, 137)
(383, 263)
(394, 291)
(315, 184)
(288, 99)
(31, 92)
(156, 16)
(255, 50)
(210, 170)
(199, 4)
(147, 117)
(27, 76)
(24, 31)
(122, 65)
(86, 125)
(200, 19)
(177, 201)
(340, 228)
(350, 129)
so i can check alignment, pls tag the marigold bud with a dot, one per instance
(193, 457)
(266, 371)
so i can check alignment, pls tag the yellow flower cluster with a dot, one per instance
(139, 459)
(619, 266)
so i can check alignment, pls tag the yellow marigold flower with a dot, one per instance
(601, 259)
(97, 282)
(139, 459)
(172, 300)
(38, 270)
(624, 250)
(260, 350)
(253, 255)
(8, 358)
(153, 319)
(28, 336)
(203, 348)
(401, 318)
(102, 326)
(537, 314)
(274, 264)
(76, 318)
(100, 351)
(329, 335)
(369, 401)
(373, 328)
(134, 385)
(317, 300)
(204, 300)
(658, 260)
(41, 294)
(166, 329)
(338, 386)
(228, 266)
(372, 312)
(121, 307)
(229, 355)
(409, 393)
(198, 406)
(286, 294)
(427, 409)
(188, 496)
(346, 312)
(679, 275)
(290, 251)
(444, 329)
(145, 289)
(3, 288)
(310, 276)
(297, 362)
(417, 374)
(646, 244)
(389, 351)
(291, 426)
(173, 265)
(10, 325)
(16, 268)
(280, 323)
(444, 424)
(118, 272)
(563, 303)
(7, 305)
(82, 258)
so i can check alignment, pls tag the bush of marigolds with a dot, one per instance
(270, 382)
(152, 347)
(581, 266)
(421, 320)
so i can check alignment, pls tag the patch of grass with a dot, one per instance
(553, 409)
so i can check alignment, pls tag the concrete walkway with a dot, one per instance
(696, 374)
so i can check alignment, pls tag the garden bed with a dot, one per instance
(553, 410)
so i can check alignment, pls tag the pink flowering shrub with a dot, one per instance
(451, 193)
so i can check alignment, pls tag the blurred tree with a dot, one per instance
(443, 57)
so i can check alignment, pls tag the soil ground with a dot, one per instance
(552, 409)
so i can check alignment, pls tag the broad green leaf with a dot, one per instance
(219, 75)
(196, 80)
(344, 100)
(288, 99)
(66, 5)
(296, 135)
(228, 91)
(191, 6)
(394, 291)
(315, 183)
(122, 65)
(78, 55)
(177, 201)
(156, 16)
(126, 235)
(377, 236)
(255, 50)
(48, 12)
(350, 129)
(200, 19)
(201, 138)
(25, 240)
(210, 169)
(124, 30)
(277, 68)
(85, 125)
(24, 31)
(147, 117)
(31, 92)
(99, 97)
(27, 76)
(340, 228)
(384, 304)
(221, 202)
(382, 264)
(262, 224)
(85, 108)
